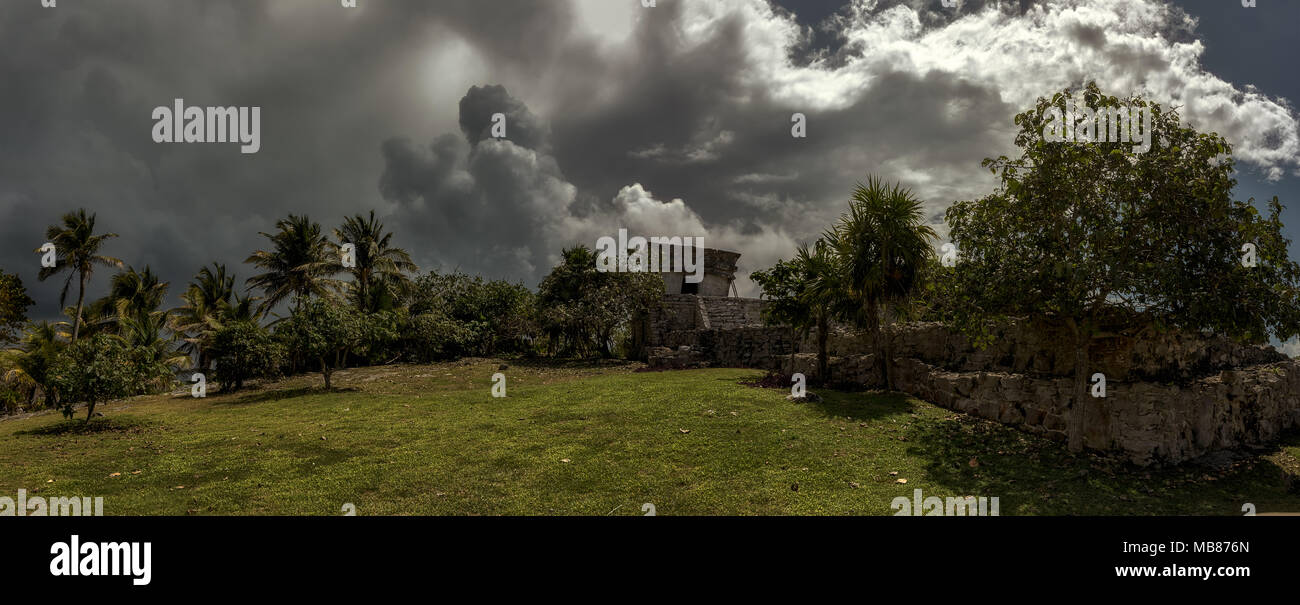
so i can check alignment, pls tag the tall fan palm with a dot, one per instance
(380, 271)
(294, 266)
(884, 244)
(77, 252)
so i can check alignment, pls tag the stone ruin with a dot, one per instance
(1169, 397)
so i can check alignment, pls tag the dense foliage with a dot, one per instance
(243, 350)
(14, 302)
(584, 311)
(103, 367)
(1094, 235)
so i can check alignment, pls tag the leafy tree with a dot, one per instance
(11, 391)
(933, 299)
(883, 244)
(1088, 235)
(101, 368)
(488, 316)
(14, 302)
(296, 266)
(434, 336)
(326, 332)
(243, 350)
(379, 277)
(581, 309)
(77, 254)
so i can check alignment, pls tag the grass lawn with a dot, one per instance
(584, 440)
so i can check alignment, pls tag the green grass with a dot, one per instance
(432, 440)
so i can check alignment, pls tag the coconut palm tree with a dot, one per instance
(77, 253)
(243, 309)
(206, 303)
(380, 271)
(295, 265)
(884, 244)
(149, 333)
(33, 359)
(131, 294)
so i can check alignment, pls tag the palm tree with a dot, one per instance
(884, 244)
(243, 309)
(132, 295)
(94, 319)
(294, 266)
(206, 303)
(77, 252)
(34, 358)
(380, 271)
(824, 295)
(149, 333)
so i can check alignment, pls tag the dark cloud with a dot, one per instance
(668, 118)
(481, 103)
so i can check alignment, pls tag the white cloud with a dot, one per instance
(1127, 46)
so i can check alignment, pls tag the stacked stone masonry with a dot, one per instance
(1169, 397)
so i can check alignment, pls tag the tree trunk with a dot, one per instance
(81, 296)
(823, 362)
(877, 348)
(1075, 422)
(794, 349)
(887, 346)
(90, 409)
(325, 370)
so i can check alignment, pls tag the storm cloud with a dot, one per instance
(673, 120)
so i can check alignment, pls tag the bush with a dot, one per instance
(102, 368)
(436, 337)
(584, 311)
(243, 350)
(324, 332)
(455, 315)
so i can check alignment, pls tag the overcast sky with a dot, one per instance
(672, 120)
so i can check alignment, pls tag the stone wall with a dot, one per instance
(1146, 422)
(749, 347)
(681, 315)
(1025, 348)
(1169, 397)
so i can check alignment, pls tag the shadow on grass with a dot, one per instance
(121, 424)
(567, 363)
(1036, 475)
(839, 402)
(282, 394)
(862, 405)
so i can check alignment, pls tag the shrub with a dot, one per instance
(325, 332)
(243, 350)
(454, 315)
(102, 368)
